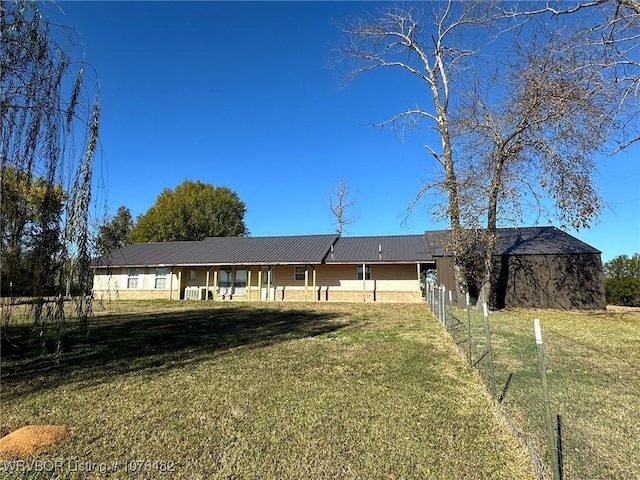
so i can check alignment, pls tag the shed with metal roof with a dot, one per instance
(538, 267)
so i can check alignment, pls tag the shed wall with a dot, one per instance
(549, 281)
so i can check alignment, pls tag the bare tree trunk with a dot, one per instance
(492, 227)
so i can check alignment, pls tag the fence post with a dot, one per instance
(551, 438)
(443, 306)
(469, 327)
(560, 454)
(492, 378)
(433, 300)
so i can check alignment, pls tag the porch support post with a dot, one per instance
(364, 282)
(260, 285)
(306, 281)
(171, 284)
(179, 282)
(248, 284)
(215, 284)
(315, 293)
(207, 287)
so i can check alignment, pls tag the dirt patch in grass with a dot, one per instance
(29, 440)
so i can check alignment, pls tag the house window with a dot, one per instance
(300, 273)
(240, 282)
(132, 278)
(193, 275)
(367, 272)
(161, 278)
(224, 282)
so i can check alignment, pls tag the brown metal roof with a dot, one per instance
(332, 249)
(539, 241)
(518, 241)
(380, 249)
(302, 249)
(143, 254)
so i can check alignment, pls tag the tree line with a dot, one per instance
(622, 282)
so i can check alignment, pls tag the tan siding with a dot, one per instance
(200, 278)
(115, 284)
(289, 289)
(333, 283)
(254, 276)
(337, 275)
(396, 278)
(103, 280)
(383, 277)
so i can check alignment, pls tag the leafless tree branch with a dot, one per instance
(339, 202)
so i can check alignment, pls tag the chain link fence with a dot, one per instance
(593, 385)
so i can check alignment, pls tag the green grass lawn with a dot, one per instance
(214, 390)
(593, 370)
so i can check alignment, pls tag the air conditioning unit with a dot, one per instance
(195, 293)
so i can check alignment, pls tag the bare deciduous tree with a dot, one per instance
(433, 54)
(605, 36)
(339, 203)
(531, 149)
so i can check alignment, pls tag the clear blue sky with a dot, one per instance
(241, 95)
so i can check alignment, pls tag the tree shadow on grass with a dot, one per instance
(120, 344)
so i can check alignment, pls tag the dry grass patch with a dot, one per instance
(31, 439)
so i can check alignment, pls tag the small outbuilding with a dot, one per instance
(534, 267)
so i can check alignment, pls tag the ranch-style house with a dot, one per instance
(535, 267)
